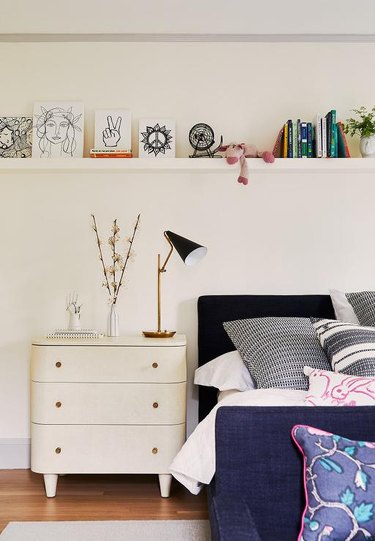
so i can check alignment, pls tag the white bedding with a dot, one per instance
(194, 465)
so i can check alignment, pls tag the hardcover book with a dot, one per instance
(278, 146)
(342, 144)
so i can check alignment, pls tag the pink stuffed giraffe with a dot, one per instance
(235, 153)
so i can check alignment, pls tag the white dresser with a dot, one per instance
(108, 405)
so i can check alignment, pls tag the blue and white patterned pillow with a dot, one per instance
(339, 486)
(276, 349)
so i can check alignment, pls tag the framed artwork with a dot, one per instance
(16, 136)
(113, 129)
(157, 138)
(58, 130)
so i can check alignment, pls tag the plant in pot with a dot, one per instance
(364, 126)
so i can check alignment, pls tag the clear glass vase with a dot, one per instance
(113, 322)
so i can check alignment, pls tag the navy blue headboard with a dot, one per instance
(213, 310)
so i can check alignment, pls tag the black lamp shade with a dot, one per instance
(189, 251)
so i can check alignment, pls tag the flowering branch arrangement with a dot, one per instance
(114, 273)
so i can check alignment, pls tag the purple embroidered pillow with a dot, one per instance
(339, 486)
(328, 388)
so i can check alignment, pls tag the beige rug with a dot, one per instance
(126, 530)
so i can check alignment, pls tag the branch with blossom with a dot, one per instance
(119, 263)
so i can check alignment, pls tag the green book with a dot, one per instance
(295, 140)
(334, 152)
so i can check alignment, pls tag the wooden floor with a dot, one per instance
(94, 497)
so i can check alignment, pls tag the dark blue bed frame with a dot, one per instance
(213, 310)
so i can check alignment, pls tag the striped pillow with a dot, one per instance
(350, 348)
(363, 303)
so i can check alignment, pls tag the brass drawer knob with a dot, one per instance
(58, 364)
(58, 404)
(58, 450)
(155, 450)
(155, 365)
(155, 405)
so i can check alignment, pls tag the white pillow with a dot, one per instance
(343, 309)
(226, 373)
(332, 389)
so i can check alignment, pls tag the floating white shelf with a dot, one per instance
(184, 165)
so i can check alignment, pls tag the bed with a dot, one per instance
(244, 452)
(213, 310)
(247, 496)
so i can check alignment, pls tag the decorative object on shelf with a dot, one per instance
(110, 153)
(114, 273)
(74, 310)
(365, 128)
(113, 129)
(324, 138)
(190, 253)
(58, 130)
(202, 138)
(16, 136)
(157, 138)
(75, 333)
(238, 153)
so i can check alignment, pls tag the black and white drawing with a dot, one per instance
(15, 136)
(157, 138)
(113, 129)
(58, 130)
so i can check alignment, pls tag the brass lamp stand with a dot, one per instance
(159, 333)
(190, 253)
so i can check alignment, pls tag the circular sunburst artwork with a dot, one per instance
(156, 139)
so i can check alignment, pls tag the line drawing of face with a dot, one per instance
(57, 129)
(6, 137)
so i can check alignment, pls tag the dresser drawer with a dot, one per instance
(108, 403)
(104, 449)
(108, 364)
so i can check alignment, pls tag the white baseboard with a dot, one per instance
(14, 453)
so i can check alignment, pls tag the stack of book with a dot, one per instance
(325, 139)
(110, 153)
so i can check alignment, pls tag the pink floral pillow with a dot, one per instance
(333, 389)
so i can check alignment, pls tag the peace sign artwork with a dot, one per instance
(157, 138)
(113, 129)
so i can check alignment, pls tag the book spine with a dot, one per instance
(318, 136)
(329, 132)
(344, 151)
(111, 150)
(304, 139)
(309, 140)
(295, 140)
(278, 146)
(333, 139)
(299, 140)
(112, 156)
(290, 139)
(285, 145)
(324, 137)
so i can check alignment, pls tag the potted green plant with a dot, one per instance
(364, 126)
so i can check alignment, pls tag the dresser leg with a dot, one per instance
(50, 483)
(165, 481)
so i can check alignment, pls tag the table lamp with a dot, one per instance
(190, 253)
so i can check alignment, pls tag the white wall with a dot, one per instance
(281, 234)
(193, 17)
